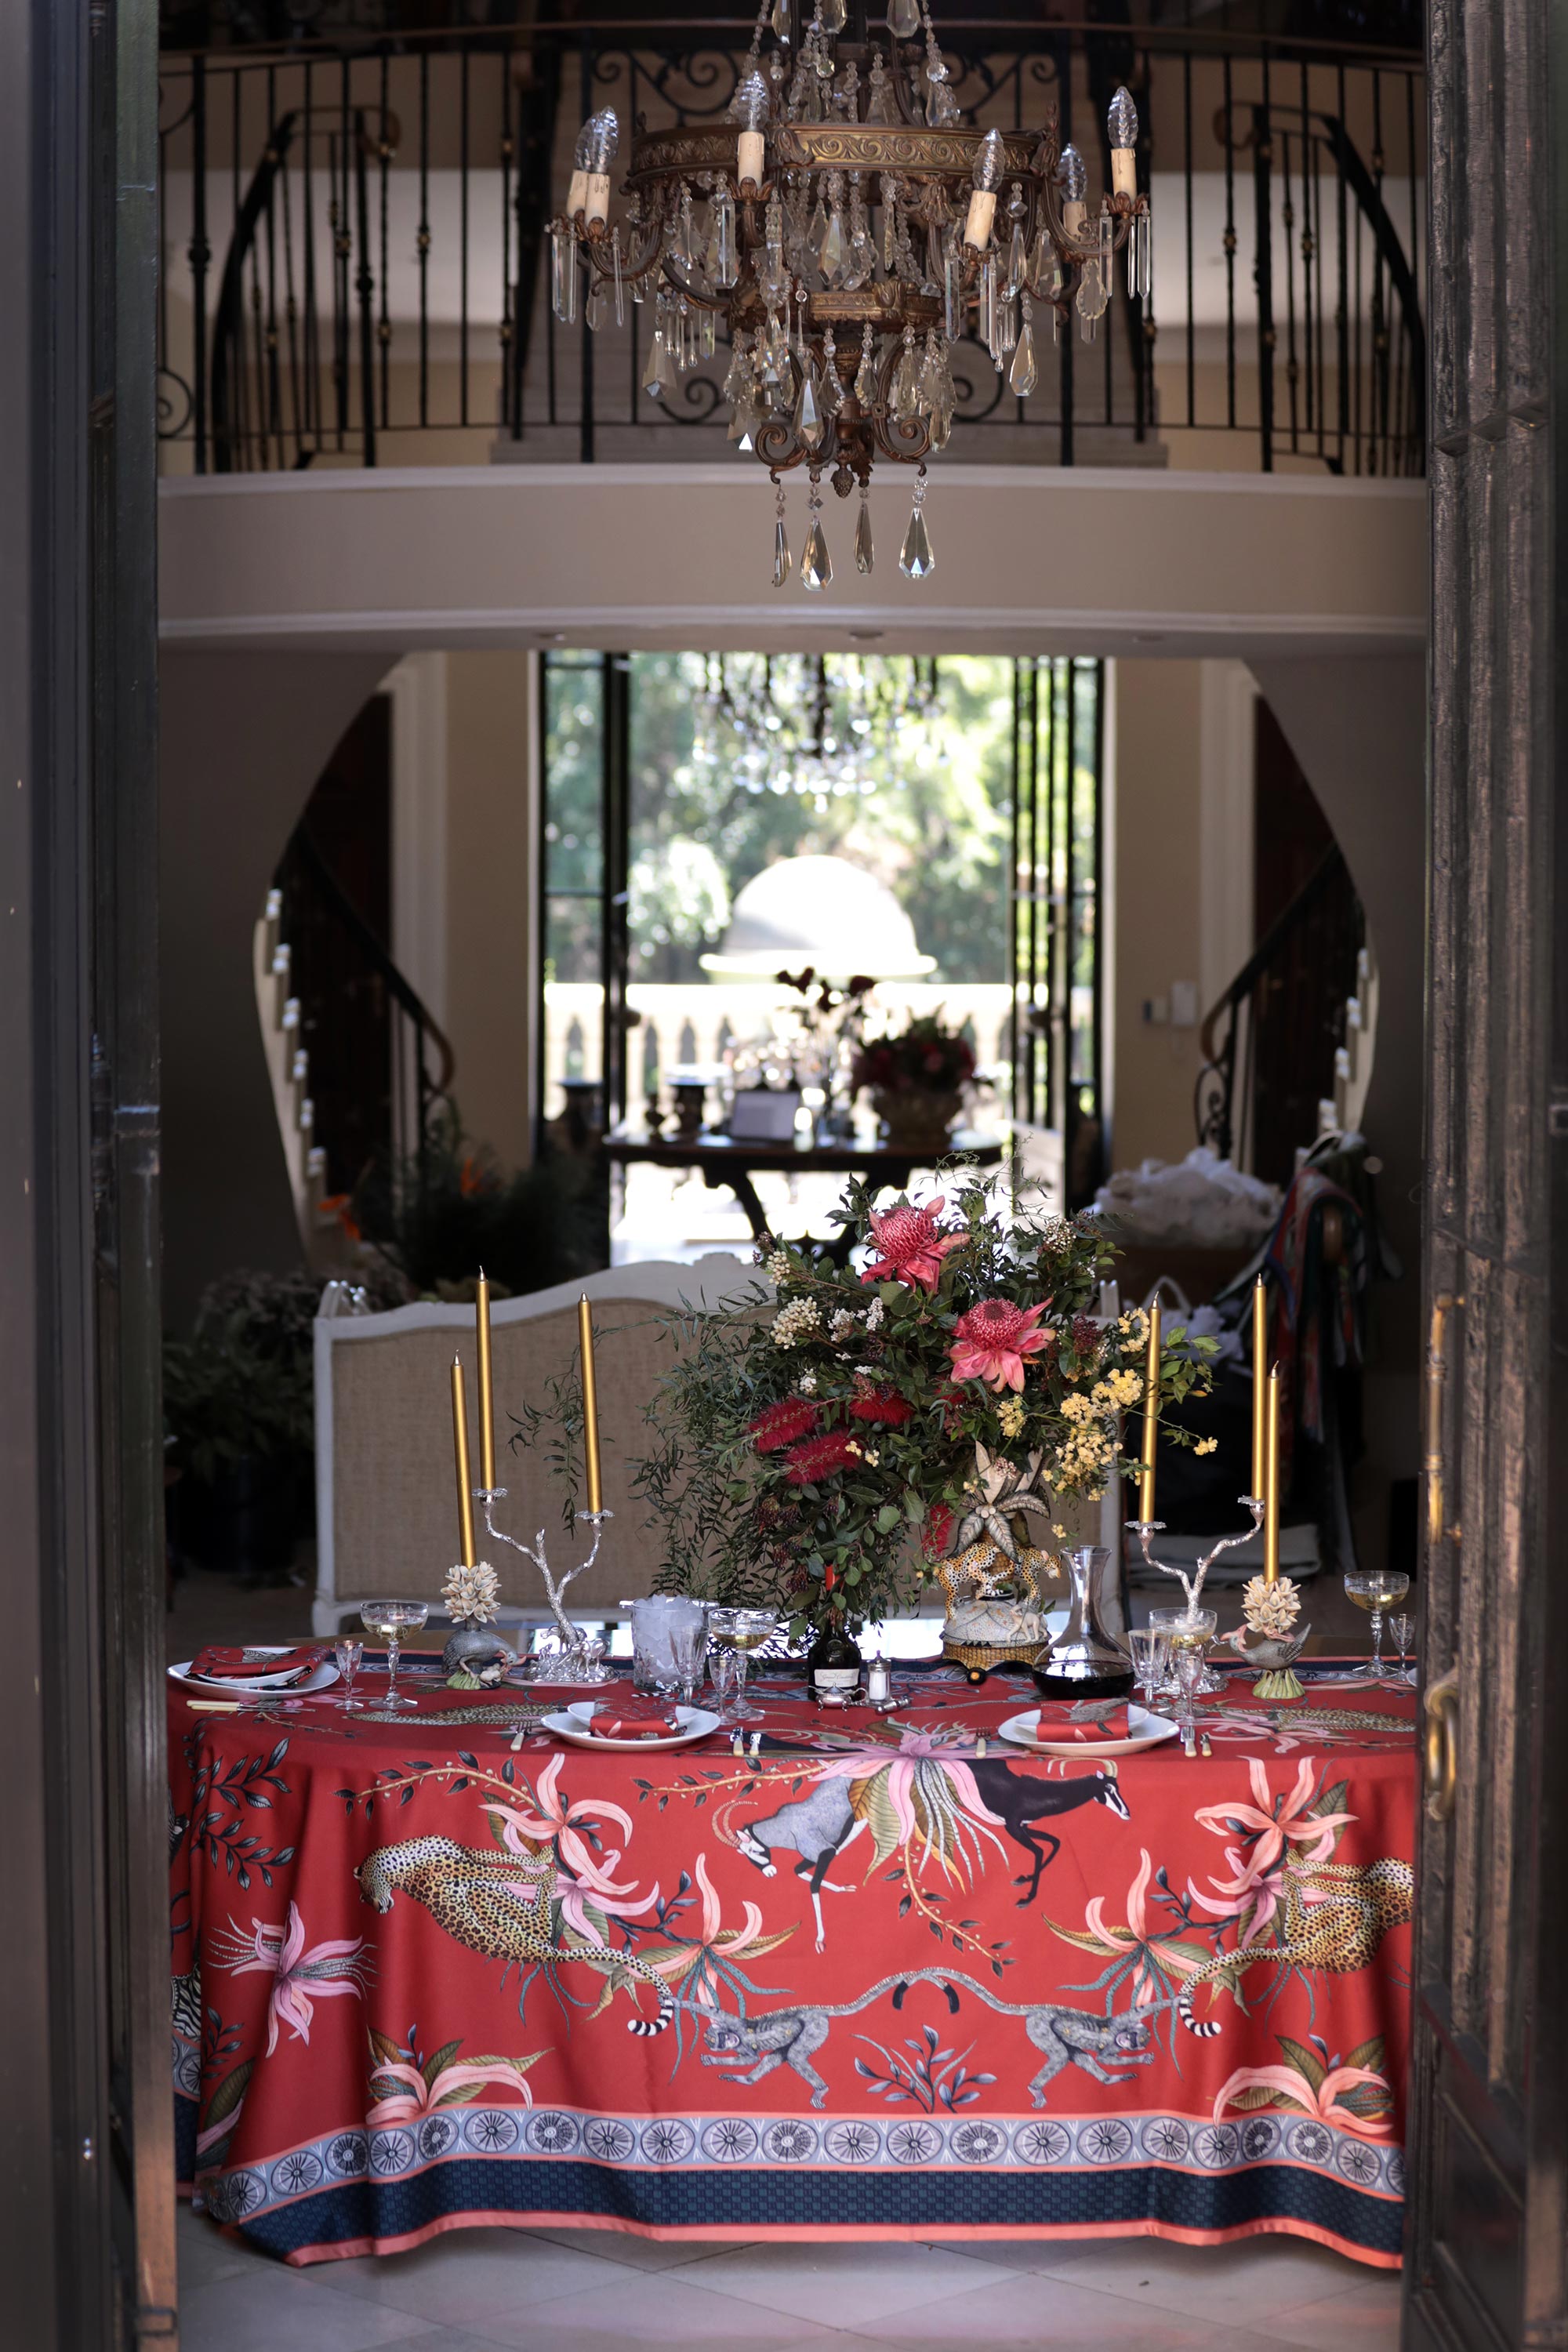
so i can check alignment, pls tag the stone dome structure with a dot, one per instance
(821, 912)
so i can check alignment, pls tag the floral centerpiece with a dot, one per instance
(825, 1447)
(916, 1079)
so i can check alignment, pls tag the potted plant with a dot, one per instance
(916, 1081)
(238, 1412)
(824, 1446)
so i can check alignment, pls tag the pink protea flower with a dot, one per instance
(912, 1244)
(993, 1339)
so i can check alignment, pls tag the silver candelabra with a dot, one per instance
(582, 1656)
(1147, 1530)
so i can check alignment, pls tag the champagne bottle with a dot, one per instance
(833, 1662)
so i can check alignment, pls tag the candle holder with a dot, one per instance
(1193, 1584)
(583, 1657)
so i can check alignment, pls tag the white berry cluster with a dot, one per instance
(473, 1594)
(797, 1321)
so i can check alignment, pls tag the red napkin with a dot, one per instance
(630, 1721)
(1081, 1719)
(217, 1664)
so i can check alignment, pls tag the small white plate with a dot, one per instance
(253, 1685)
(696, 1723)
(1146, 1730)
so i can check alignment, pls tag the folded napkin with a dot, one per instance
(1087, 1719)
(217, 1664)
(628, 1721)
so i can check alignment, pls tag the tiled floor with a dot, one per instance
(598, 2291)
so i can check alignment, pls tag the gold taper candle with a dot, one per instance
(460, 1446)
(1259, 1389)
(1150, 1416)
(590, 1402)
(487, 1391)
(1272, 1483)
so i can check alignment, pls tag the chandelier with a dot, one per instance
(822, 727)
(848, 230)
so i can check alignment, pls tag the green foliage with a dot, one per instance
(439, 1218)
(241, 1384)
(871, 1437)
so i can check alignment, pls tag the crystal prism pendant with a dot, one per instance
(780, 19)
(809, 425)
(903, 19)
(596, 309)
(830, 252)
(1022, 375)
(815, 563)
(781, 554)
(915, 557)
(865, 553)
(832, 16)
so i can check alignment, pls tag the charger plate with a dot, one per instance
(1145, 1729)
(572, 1724)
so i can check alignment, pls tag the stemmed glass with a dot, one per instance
(1402, 1628)
(1168, 1621)
(1188, 1638)
(350, 1656)
(737, 1632)
(1150, 1647)
(1374, 1589)
(389, 1621)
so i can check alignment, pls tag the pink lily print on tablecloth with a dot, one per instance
(703, 1962)
(1350, 2093)
(340, 1965)
(585, 1885)
(1156, 1958)
(1278, 1833)
(403, 2091)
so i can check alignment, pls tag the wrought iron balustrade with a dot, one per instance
(1269, 1043)
(353, 241)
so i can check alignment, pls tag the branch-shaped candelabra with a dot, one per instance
(582, 1660)
(1147, 1530)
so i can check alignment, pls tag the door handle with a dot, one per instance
(1442, 1746)
(1437, 1384)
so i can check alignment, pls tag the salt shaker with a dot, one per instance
(878, 1683)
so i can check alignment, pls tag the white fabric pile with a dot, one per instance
(1198, 1202)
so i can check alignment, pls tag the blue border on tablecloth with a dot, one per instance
(830, 2200)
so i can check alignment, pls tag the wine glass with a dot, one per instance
(1402, 1628)
(738, 1632)
(350, 1656)
(388, 1621)
(1375, 1589)
(1151, 1650)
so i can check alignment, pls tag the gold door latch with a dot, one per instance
(1442, 1746)
(1437, 1382)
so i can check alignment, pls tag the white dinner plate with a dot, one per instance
(571, 1723)
(1145, 1730)
(254, 1685)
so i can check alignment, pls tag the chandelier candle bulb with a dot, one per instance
(465, 1479)
(987, 179)
(1122, 124)
(1150, 1416)
(1271, 1484)
(749, 162)
(487, 1389)
(1260, 1387)
(590, 1405)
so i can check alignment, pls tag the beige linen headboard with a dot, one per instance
(386, 1484)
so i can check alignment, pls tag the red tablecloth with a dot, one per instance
(985, 2036)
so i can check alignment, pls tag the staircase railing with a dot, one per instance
(381, 211)
(1272, 1045)
(370, 1058)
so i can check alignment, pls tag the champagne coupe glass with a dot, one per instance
(1375, 1589)
(350, 1657)
(738, 1631)
(1189, 1637)
(389, 1621)
(1402, 1628)
(1151, 1659)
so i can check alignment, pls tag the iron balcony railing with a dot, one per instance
(352, 245)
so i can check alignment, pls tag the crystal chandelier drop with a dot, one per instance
(848, 229)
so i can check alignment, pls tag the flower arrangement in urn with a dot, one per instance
(916, 1080)
(827, 1446)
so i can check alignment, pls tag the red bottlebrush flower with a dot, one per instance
(885, 1407)
(993, 1339)
(936, 1532)
(912, 1244)
(782, 1423)
(819, 1458)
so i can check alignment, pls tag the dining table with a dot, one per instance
(834, 1973)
